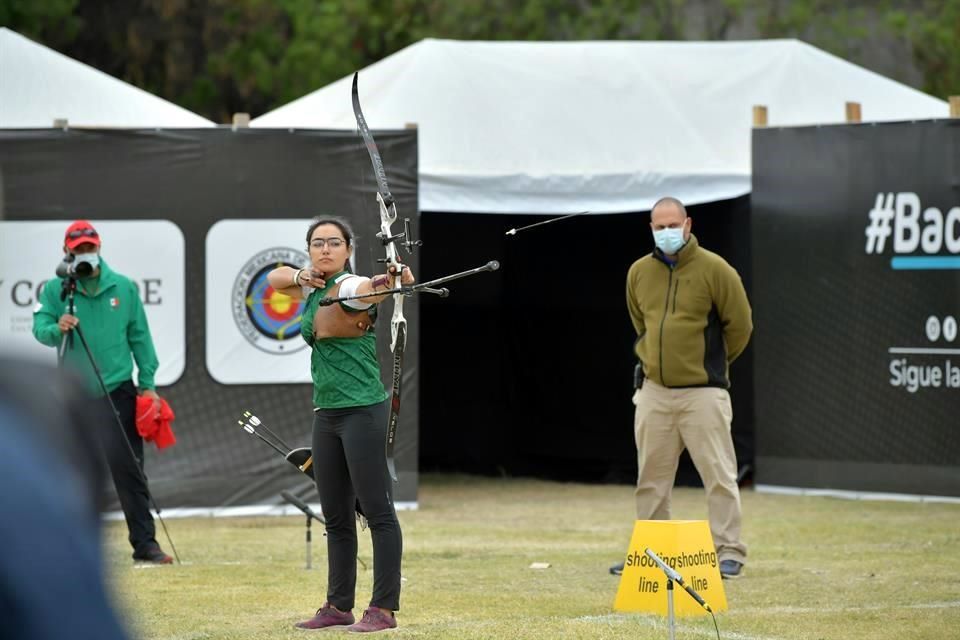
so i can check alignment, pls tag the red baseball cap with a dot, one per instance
(79, 232)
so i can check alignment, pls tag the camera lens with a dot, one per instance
(83, 269)
(71, 269)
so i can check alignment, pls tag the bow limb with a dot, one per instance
(398, 324)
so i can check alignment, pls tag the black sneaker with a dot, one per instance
(616, 570)
(153, 556)
(730, 569)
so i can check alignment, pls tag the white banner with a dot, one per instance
(253, 332)
(150, 252)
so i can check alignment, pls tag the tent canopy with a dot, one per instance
(559, 127)
(39, 85)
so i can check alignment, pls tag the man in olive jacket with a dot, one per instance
(114, 325)
(693, 319)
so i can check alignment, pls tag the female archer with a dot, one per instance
(349, 424)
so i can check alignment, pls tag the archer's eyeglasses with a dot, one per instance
(334, 243)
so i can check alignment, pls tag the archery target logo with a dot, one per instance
(267, 318)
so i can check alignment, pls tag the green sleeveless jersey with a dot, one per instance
(345, 371)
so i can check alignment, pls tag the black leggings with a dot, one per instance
(350, 464)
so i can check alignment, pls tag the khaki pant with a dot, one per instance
(666, 421)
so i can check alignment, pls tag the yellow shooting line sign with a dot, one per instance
(686, 546)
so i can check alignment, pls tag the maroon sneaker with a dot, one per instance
(327, 616)
(374, 620)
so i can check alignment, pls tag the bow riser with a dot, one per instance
(388, 215)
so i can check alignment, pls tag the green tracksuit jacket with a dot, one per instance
(692, 318)
(114, 324)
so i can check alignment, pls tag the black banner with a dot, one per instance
(197, 179)
(529, 370)
(856, 289)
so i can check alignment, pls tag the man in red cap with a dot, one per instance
(114, 326)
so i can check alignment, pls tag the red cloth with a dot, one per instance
(154, 426)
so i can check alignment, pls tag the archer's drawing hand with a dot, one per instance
(311, 278)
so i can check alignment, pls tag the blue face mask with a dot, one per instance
(93, 259)
(669, 240)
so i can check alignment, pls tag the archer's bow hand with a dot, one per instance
(406, 275)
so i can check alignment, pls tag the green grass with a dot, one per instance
(818, 568)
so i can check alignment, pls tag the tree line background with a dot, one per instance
(218, 57)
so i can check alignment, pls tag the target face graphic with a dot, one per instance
(267, 318)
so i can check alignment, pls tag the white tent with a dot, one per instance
(551, 127)
(39, 85)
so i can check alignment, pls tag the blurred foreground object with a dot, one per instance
(51, 566)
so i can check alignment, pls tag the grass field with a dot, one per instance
(819, 568)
